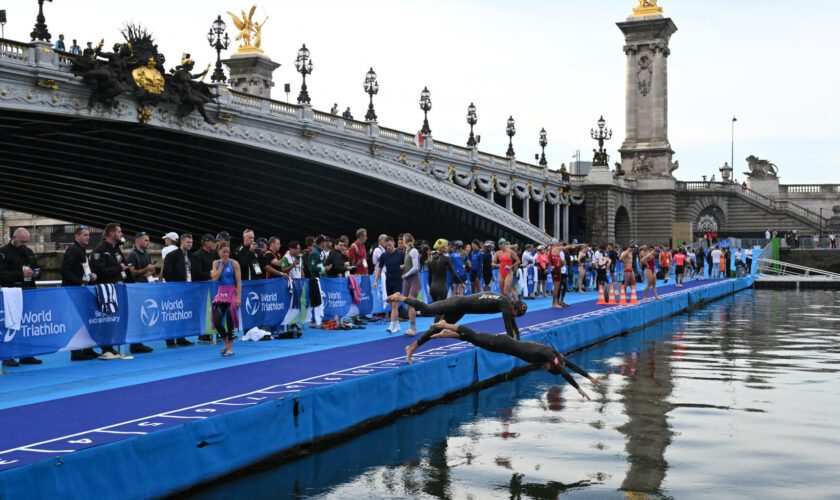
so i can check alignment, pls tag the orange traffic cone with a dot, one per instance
(602, 299)
(622, 301)
(633, 300)
(612, 295)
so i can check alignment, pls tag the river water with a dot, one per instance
(738, 400)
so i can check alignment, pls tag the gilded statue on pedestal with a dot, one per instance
(250, 31)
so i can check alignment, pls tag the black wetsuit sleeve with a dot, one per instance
(493, 343)
(510, 322)
(576, 368)
(452, 270)
(560, 370)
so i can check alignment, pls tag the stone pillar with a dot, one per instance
(509, 200)
(556, 232)
(251, 73)
(566, 223)
(646, 150)
(526, 209)
(542, 216)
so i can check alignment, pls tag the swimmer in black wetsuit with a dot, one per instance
(439, 265)
(531, 352)
(454, 308)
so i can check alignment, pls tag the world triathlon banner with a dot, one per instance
(63, 319)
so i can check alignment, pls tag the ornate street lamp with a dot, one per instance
(472, 119)
(426, 106)
(372, 88)
(543, 144)
(40, 32)
(214, 37)
(303, 64)
(601, 159)
(511, 131)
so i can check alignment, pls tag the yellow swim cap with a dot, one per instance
(441, 243)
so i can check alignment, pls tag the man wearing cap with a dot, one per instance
(178, 268)
(142, 268)
(203, 259)
(222, 236)
(169, 240)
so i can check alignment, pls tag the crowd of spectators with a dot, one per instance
(393, 260)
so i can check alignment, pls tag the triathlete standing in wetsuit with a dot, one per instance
(439, 265)
(629, 273)
(531, 352)
(454, 308)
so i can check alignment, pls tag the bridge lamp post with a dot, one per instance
(543, 144)
(472, 119)
(603, 134)
(214, 37)
(511, 131)
(372, 88)
(303, 64)
(40, 32)
(426, 106)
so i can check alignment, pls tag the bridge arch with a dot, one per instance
(623, 226)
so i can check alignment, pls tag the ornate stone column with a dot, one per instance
(646, 151)
(542, 216)
(556, 232)
(566, 223)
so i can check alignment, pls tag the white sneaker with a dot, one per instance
(396, 328)
(390, 327)
(108, 356)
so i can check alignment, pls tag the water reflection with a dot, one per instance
(718, 402)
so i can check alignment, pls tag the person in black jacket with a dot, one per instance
(248, 258)
(108, 263)
(19, 269)
(178, 268)
(75, 271)
(203, 258)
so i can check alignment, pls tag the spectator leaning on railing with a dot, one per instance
(19, 269)
(75, 271)
(109, 265)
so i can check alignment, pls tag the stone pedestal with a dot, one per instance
(646, 151)
(251, 73)
(600, 176)
(768, 186)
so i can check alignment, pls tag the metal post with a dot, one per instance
(566, 223)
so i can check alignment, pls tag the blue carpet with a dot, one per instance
(60, 425)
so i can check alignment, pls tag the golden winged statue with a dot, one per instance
(250, 31)
(647, 8)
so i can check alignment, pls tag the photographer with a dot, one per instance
(248, 257)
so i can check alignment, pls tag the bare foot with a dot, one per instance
(410, 332)
(440, 325)
(397, 297)
(409, 351)
(446, 334)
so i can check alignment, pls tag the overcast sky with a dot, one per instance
(556, 64)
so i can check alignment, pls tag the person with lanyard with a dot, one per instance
(530, 352)
(648, 259)
(391, 262)
(75, 271)
(227, 274)
(357, 253)
(178, 268)
(411, 279)
(459, 278)
(249, 260)
(203, 258)
(476, 265)
(454, 308)
(507, 262)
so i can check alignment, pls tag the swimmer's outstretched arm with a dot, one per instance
(580, 370)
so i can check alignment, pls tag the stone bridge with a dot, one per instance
(275, 167)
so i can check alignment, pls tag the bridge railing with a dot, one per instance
(809, 188)
(783, 205)
(15, 51)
